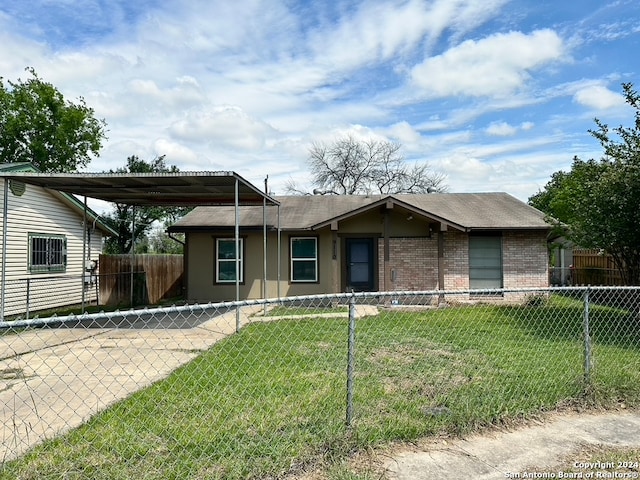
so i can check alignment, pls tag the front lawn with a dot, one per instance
(270, 400)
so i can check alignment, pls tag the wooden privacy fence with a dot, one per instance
(154, 277)
(591, 267)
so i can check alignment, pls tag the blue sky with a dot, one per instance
(495, 94)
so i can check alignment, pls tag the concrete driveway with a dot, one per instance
(52, 380)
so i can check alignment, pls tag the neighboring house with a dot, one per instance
(335, 243)
(47, 258)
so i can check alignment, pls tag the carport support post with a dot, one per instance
(84, 251)
(264, 243)
(237, 249)
(351, 359)
(132, 252)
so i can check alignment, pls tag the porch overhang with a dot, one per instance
(151, 189)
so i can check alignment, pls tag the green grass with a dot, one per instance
(285, 311)
(271, 399)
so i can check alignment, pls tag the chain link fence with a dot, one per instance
(273, 388)
(24, 298)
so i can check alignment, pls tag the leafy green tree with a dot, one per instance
(597, 201)
(39, 126)
(133, 223)
(160, 242)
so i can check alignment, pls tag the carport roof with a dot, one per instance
(169, 189)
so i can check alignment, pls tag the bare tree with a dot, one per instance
(349, 166)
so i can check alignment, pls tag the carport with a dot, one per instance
(148, 189)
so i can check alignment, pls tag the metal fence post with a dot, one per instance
(587, 341)
(28, 299)
(351, 358)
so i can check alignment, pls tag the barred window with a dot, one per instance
(47, 253)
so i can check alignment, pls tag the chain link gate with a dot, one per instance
(270, 388)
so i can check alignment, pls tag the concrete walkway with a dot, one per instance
(528, 452)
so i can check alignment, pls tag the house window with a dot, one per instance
(304, 259)
(47, 253)
(485, 262)
(226, 260)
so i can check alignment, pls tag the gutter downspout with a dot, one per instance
(177, 240)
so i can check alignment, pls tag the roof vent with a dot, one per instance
(317, 191)
(17, 188)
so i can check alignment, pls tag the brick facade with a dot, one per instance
(413, 264)
(413, 261)
(525, 259)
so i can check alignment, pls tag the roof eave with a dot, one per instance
(394, 201)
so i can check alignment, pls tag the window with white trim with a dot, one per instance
(47, 253)
(304, 259)
(226, 260)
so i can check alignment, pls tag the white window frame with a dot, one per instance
(292, 260)
(47, 253)
(229, 260)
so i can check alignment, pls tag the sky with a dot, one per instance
(494, 94)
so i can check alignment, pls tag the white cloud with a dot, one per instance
(493, 66)
(176, 153)
(504, 129)
(248, 85)
(463, 168)
(501, 129)
(598, 97)
(404, 133)
(384, 30)
(223, 126)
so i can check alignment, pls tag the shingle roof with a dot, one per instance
(466, 211)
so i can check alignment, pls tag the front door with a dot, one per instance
(360, 266)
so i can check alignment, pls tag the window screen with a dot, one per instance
(485, 262)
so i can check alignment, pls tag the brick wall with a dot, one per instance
(525, 259)
(456, 260)
(413, 263)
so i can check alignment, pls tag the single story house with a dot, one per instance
(50, 246)
(337, 243)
